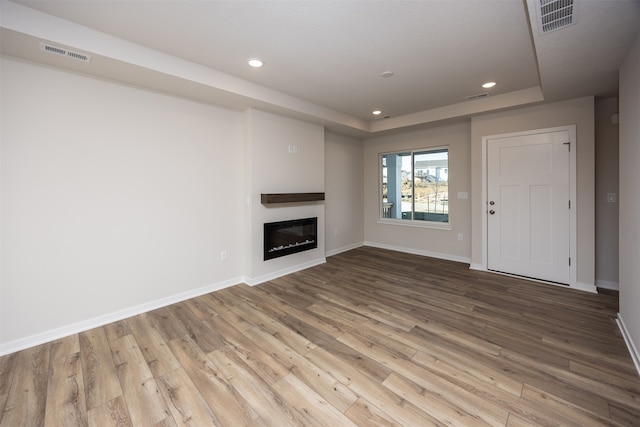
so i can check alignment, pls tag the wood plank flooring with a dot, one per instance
(371, 338)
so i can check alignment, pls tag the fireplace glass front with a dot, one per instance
(288, 237)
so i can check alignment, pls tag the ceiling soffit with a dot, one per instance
(321, 65)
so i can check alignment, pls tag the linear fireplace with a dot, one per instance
(288, 237)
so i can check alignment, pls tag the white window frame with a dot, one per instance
(412, 222)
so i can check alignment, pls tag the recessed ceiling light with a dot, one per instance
(488, 85)
(387, 74)
(376, 112)
(255, 62)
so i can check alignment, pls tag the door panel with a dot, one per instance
(542, 225)
(509, 202)
(528, 225)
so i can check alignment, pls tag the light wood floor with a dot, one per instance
(371, 338)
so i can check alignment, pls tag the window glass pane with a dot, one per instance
(431, 169)
(397, 188)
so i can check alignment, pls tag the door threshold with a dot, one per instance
(533, 279)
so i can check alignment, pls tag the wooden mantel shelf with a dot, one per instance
(268, 198)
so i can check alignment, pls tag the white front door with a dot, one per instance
(528, 205)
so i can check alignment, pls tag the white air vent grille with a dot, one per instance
(476, 96)
(555, 14)
(56, 50)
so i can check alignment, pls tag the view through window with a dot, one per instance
(415, 185)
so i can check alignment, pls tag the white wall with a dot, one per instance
(629, 201)
(607, 172)
(344, 186)
(116, 200)
(426, 241)
(579, 112)
(113, 199)
(273, 169)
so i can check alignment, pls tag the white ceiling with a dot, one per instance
(324, 59)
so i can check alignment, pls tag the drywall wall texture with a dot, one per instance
(442, 243)
(606, 176)
(579, 112)
(629, 201)
(344, 186)
(113, 198)
(283, 156)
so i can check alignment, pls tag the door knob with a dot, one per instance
(492, 211)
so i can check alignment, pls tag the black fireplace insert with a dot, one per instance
(289, 237)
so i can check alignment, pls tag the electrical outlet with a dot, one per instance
(461, 237)
(223, 256)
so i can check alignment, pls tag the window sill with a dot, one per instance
(420, 224)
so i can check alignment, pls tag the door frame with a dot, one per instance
(571, 129)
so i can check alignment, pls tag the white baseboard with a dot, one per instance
(607, 284)
(476, 266)
(587, 287)
(85, 325)
(343, 249)
(414, 251)
(253, 281)
(633, 350)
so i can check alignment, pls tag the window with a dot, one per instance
(415, 185)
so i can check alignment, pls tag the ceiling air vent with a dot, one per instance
(56, 50)
(476, 96)
(555, 14)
